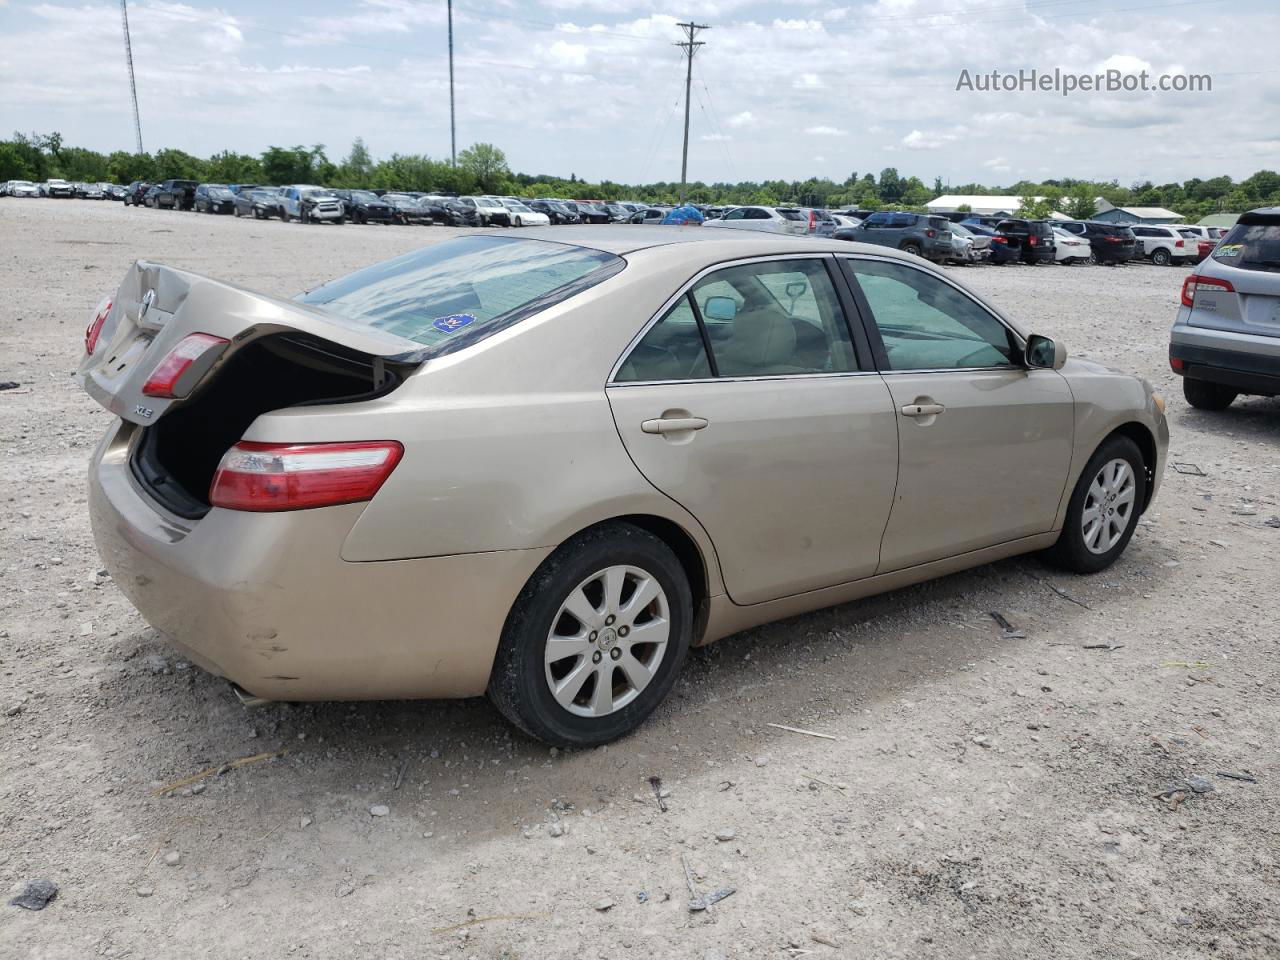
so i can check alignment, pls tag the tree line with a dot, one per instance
(483, 168)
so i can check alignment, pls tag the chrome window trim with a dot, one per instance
(1018, 337)
(610, 381)
(769, 376)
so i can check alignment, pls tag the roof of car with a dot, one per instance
(622, 239)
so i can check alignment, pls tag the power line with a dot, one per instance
(133, 83)
(690, 46)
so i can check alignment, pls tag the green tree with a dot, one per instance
(228, 167)
(891, 187)
(357, 168)
(178, 165)
(125, 167)
(296, 165)
(14, 164)
(487, 164)
(1079, 203)
(1034, 208)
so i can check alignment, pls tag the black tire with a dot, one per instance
(1161, 258)
(1204, 395)
(518, 685)
(1071, 552)
(911, 248)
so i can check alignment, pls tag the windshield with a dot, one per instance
(1252, 244)
(452, 294)
(314, 194)
(519, 208)
(364, 196)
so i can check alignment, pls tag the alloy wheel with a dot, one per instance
(607, 641)
(1108, 506)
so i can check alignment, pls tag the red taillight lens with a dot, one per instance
(1179, 243)
(930, 234)
(265, 477)
(1031, 240)
(1192, 284)
(813, 221)
(1177, 364)
(94, 330)
(163, 381)
(999, 240)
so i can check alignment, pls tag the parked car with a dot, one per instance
(308, 204)
(88, 191)
(214, 198)
(172, 195)
(977, 219)
(364, 206)
(968, 247)
(407, 209)
(1226, 338)
(999, 251)
(1109, 243)
(587, 212)
(651, 215)
(1069, 248)
(843, 220)
(1199, 231)
(115, 191)
(821, 223)
(557, 212)
(1204, 248)
(1162, 245)
(135, 192)
(282, 477)
(489, 210)
(56, 187)
(1033, 239)
(21, 188)
(787, 220)
(919, 234)
(523, 215)
(452, 212)
(261, 203)
(856, 214)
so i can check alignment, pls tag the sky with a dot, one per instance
(596, 87)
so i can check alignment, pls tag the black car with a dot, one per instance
(970, 219)
(587, 212)
(617, 212)
(364, 206)
(454, 213)
(135, 191)
(1109, 243)
(214, 198)
(407, 209)
(1033, 239)
(261, 203)
(557, 212)
(172, 195)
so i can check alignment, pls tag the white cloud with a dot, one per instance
(919, 140)
(714, 137)
(825, 131)
(808, 81)
(743, 119)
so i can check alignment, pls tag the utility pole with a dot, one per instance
(690, 47)
(133, 84)
(453, 130)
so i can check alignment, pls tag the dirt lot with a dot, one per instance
(983, 795)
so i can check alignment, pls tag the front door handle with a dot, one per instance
(673, 424)
(923, 409)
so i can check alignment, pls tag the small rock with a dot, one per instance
(304, 822)
(762, 761)
(13, 711)
(982, 741)
(1199, 784)
(144, 890)
(36, 895)
(379, 810)
(198, 788)
(344, 890)
(428, 835)
(724, 836)
(154, 663)
(172, 858)
(556, 829)
(605, 904)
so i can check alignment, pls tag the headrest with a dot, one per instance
(762, 337)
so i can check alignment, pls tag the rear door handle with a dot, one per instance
(673, 424)
(923, 409)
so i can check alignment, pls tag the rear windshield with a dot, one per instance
(452, 294)
(1252, 244)
(791, 213)
(1104, 230)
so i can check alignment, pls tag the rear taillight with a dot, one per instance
(813, 221)
(164, 379)
(1179, 243)
(999, 240)
(1194, 284)
(1177, 364)
(94, 330)
(1031, 240)
(930, 234)
(266, 477)
(1113, 240)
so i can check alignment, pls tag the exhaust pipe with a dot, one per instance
(247, 699)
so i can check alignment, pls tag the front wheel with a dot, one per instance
(1161, 258)
(594, 641)
(1103, 511)
(1204, 395)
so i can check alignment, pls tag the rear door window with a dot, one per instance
(673, 349)
(1252, 244)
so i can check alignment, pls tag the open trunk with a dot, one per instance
(269, 354)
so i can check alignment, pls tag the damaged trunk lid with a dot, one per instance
(167, 332)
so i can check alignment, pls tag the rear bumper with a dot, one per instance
(266, 600)
(1244, 362)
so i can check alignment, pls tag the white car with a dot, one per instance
(1164, 245)
(56, 187)
(489, 209)
(1212, 234)
(21, 188)
(1069, 248)
(308, 204)
(788, 220)
(524, 216)
(844, 220)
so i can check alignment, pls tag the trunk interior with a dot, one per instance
(176, 458)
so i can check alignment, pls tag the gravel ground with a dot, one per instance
(984, 795)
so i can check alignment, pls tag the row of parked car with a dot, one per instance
(968, 238)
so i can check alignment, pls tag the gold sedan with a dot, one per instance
(542, 467)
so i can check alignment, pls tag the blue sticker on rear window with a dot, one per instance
(455, 321)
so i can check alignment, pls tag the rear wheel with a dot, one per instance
(1103, 511)
(1204, 395)
(594, 641)
(1161, 257)
(911, 248)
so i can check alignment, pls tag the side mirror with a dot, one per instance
(720, 308)
(1045, 353)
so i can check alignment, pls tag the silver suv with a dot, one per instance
(1226, 340)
